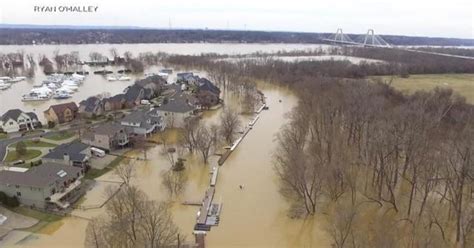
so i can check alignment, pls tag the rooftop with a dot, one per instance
(40, 176)
(72, 149)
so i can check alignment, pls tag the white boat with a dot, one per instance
(70, 82)
(35, 97)
(4, 86)
(65, 89)
(5, 78)
(78, 77)
(124, 78)
(16, 79)
(71, 87)
(61, 95)
(111, 78)
(52, 86)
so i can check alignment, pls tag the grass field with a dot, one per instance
(30, 154)
(460, 83)
(60, 136)
(32, 143)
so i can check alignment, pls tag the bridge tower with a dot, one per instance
(374, 40)
(340, 37)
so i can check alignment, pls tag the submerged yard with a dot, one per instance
(460, 83)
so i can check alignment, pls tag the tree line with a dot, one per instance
(388, 169)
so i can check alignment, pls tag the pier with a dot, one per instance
(209, 211)
(247, 129)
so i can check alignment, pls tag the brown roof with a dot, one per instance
(59, 109)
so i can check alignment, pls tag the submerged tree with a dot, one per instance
(132, 220)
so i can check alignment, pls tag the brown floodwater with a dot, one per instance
(253, 217)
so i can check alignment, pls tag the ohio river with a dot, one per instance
(253, 217)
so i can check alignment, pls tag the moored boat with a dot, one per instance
(32, 96)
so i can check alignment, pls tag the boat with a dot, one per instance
(32, 96)
(65, 89)
(61, 95)
(71, 87)
(16, 79)
(4, 86)
(124, 78)
(77, 77)
(52, 86)
(5, 78)
(111, 78)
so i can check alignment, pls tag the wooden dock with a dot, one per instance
(206, 206)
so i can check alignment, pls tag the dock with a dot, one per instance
(209, 211)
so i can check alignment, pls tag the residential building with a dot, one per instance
(45, 186)
(108, 136)
(175, 110)
(91, 107)
(73, 154)
(61, 113)
(154, 83)
(114, 103)
(143, 122)
(15, 120)
(135, 94)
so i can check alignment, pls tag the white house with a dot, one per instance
(15, 120)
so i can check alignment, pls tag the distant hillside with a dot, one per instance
(29, 34)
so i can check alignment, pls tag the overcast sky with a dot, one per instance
(440, 18)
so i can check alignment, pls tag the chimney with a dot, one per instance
(66, 158)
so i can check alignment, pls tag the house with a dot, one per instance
(207, 93)
(61, 113)
(176, 110)
(183, 77)
(154, 83)
(109, 136)
(203, 84)
(45, 186)
(143, 122)
(114, 103)
(135, 94)
(91, 107)
(72, 154)
(15, 120)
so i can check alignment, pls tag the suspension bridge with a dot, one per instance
(370, 39)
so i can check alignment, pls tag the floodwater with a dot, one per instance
(291, 59)
(97, 84)
(253, 217)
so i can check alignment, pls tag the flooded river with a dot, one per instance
(253, 217)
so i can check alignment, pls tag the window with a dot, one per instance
(17, 186)
(11, 123)
(18, 193)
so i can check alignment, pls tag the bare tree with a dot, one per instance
(188, 137)
(133, 221)
(126, 172)
(174, 182)
(229, 124)
(206, 139)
